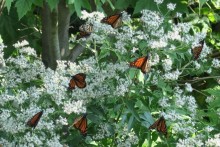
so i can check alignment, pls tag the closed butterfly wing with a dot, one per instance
(141, 63)
(160, 126)
(78, 80)
(80, 124)
(85, 31)
(113, 20)
(196, 51)
(34, 120)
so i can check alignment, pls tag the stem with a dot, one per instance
(200, 92)
(203, 78)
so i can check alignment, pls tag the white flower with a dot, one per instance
(213, 142)
(171, 6)
(164, 102)
(167, 64)
(215, 63)
(77, 107)
(21, 44)
(172, 75)
(188, 87)
(210, 99)
(158, 1)
(197, 65)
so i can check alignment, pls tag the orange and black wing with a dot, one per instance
(34, 120)
(80, 124)
(160, 126)
(141, 63)
(78, 80)
(113, 20)
(196, 51)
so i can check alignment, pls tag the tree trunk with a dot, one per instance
(63, 28)
(50, 39)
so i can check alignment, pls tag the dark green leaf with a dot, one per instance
(23, 6)
(8, 4)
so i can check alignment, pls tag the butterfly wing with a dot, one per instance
(34, 120)
(196, 51)
(113, 20)
(160, 126)
(85, 31)
(141, 63)
(78, 80)
(80, 124)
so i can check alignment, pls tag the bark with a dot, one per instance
(76, 51)
(46, 21)
(50, 39)
(63, 28)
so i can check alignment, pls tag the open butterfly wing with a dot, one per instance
(160, 126)
(80, 124)
(141, 63)
(34, 120)
(78, 80)
(113, 20)
(196, 51)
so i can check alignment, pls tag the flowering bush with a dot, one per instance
(121, 102)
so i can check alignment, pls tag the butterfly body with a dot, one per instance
(34, 120)
(196, 51)
(160, 126)
(141, 63)
(80, 124)
(113, 20)
(77, 80)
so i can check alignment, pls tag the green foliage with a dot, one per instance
(23, 6)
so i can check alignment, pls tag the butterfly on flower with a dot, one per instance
(34, 120)
(196, 51)
(78, 80)
(80, 123)
(160, 126)
(114, 20)
(85, 31)
(141, 63)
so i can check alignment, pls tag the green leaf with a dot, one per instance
(122, 4)
(202, 2)
(70, 1)
(78, 5)
(111, 5)
(52, 4)
(130, 122)
(214, 91)
(144, 4)
(130, 106)
(86, 4)
(38, 3)
(8, 4)
(23, 6)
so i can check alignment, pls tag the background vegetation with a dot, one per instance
(120, 101)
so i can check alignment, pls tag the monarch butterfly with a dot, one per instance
(141, 63)
(80, 124)
(85, 31)
(113, 20)
(77, 80)
(160, 125)
(196, 51)
(34, 120)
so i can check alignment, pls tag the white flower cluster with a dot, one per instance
(213, 142)
(152, 20)
(126, 138)
(102, 132)
(215, 63)
(167, 64)
(174, 75)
